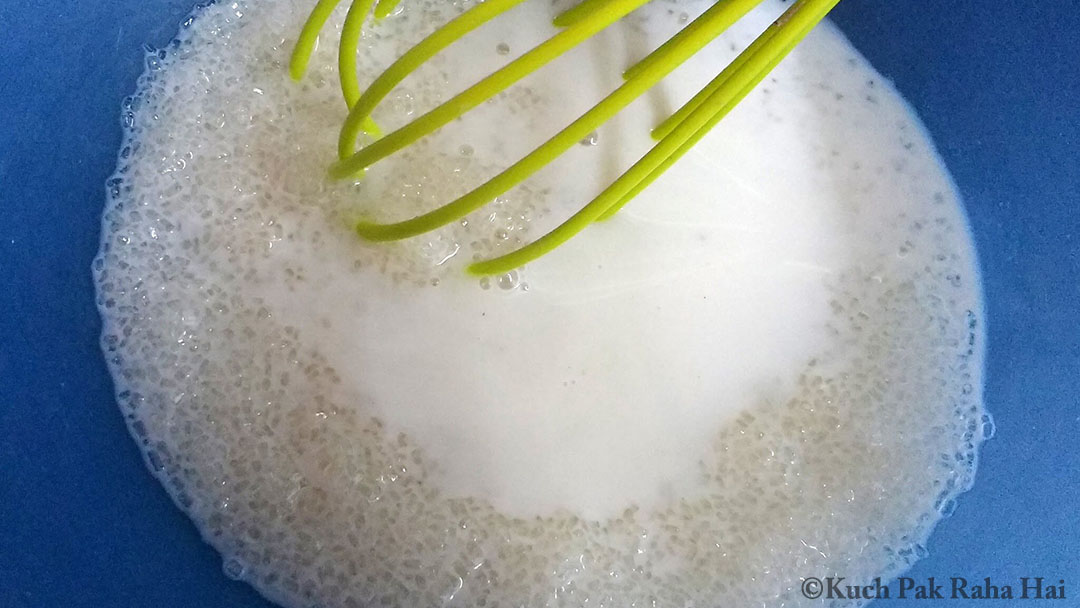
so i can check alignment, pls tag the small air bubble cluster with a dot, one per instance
(315, 503)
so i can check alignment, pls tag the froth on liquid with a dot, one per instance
(767, 365)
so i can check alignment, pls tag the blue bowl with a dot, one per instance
(82, 522)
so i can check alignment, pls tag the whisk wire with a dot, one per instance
(675, 135)
(714, 120)
(309, 37)
(308, 40)
(799, 20)
(716, 96)
(350, 44)
(500, 80)
(673, 42)
(719, 20)
(410, 61)
(428, 48)
(385, 7)
(672, 121)
(576, 13)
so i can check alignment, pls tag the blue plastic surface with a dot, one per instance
(82, 523)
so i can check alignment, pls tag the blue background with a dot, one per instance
(82, 523)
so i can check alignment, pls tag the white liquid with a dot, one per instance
(755, 368)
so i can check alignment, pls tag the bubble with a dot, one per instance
(989, 428)
(508, 281)
(233, 568)
(948, 508)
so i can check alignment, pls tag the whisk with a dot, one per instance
(675, 135)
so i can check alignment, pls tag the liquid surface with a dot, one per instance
(766, 367)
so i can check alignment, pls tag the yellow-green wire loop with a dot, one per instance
(721, 17)
(669, 124)
(305, 46)
(716, 118)
(657, 55)
(309, 36)
(665, 48)
(385, 7)
(794, 25)
(349, 47)
(672, 123)
(409, 62)
(676, 135)
(577, 12)
(486, 88)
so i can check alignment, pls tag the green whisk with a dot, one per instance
(674, 136)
